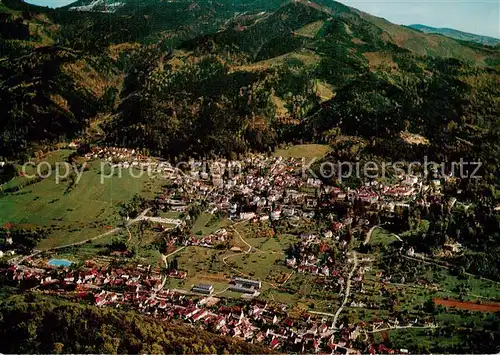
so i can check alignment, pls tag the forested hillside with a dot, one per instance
(40, 324)
(227, 79)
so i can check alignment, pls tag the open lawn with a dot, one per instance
(28, 170)
(324, 90)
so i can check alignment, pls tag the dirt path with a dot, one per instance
(173, 253)
(397, 237)
(322, 313)
(129, 235)
(288, 278)
(369, 235)
(250, 247)
(113, 231)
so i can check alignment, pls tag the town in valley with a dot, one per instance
(256, 249)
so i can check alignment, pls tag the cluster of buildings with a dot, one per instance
(255, 321)
(263, 188)
(141, 288)
(219, 237)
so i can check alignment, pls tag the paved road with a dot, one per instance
(164, 278)
(347, 290)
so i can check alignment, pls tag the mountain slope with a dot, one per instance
(254, 32)
(278, 72)
(432, 44)
(206, 17)
(456, 34)
(51, 92)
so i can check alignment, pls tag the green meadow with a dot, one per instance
(74, 211)
(307, 151)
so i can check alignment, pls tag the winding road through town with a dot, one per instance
(347, 290)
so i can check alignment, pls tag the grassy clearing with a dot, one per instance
(170, 214)
(203, 265)
(253, 235)
(198, 260)
(258, 265)
(30, 170)
(324, 90)
(310, 30)
(307, 151)
(305, 56)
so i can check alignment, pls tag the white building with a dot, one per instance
(246, 215)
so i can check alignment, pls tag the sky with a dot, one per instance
(481, 16)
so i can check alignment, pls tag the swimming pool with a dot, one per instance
(60, 262)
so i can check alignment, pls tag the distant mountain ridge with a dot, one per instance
(197, 77)
(456, 34)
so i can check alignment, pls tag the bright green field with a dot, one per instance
(72, 214)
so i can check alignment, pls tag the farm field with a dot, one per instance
(73, 212)
(470, 306)
(308, 151)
